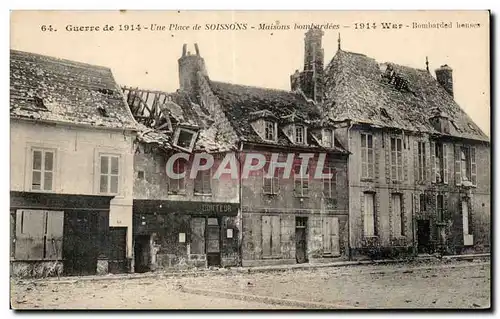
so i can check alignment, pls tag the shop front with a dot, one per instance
(183, 234)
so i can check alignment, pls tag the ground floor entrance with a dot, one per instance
(423, 236)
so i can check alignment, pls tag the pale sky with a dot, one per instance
(266, 58)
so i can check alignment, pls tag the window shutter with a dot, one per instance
(276, 235)
(30, 231)
(473, 168)
(266, 235)
(458, 178)
(327, 243)
(445, 163)
(415, 161)
(433, 162)
(335, 240)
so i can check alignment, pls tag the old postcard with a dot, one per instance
(250, 160)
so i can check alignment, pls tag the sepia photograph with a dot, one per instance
(262, 160)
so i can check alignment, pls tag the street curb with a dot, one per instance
(264, 299)
(247, 270)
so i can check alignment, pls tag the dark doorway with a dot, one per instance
(80, 244)
(301, 239)
(423, 236)
(117, 262)
(142, 253)
(213, 242)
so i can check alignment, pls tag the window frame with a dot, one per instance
(177, 134)
(42, 169)
(203, 173)
(108, 174)
(367, 168)
(422, 160)
(400, 216)
(179, 181)
(374, 215)
(467, 162)
(302, 181)
(330, 133)
(296, 128)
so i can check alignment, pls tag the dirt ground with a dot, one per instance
(451, 285)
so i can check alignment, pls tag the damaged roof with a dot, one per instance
(243, 104)
(161, 112)
(357, 90)
(51, 89)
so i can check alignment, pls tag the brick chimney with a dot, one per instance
(190, 65)
(310, 80)
(444, 76)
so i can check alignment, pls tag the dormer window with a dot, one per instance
(184, 138)
(328, 138)
(270, 130)
(299, 134)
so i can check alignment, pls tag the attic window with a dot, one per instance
(105, 91)
(184, 139)
(39, 103)
(102, 111)
(328, 137)
(270, 130)
(384, 113)
(454, 125)
(299, 134)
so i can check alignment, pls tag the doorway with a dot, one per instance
(80, 246)
(423, 236)
(213, 242)
(118, 250)
(301, 239)
(142, 253)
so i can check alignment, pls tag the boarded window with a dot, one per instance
(271, 245)
(39, 235)
(197, 235)
(369, 215)
(177, 185)
(42, 176)
(397, 159)
(331, 238)
(203, 182)
(109, 174)
(367, 156)
(397, 215)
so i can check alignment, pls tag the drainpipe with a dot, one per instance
(349, 194)
(240, 192)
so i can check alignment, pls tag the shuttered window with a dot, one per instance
(271, 236)
(42, 174)
(331, 238)
(367, 156)
(39, 235)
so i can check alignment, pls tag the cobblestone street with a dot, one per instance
(457, 284)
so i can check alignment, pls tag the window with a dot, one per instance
(397, 215)
(38, 235)
(42, 174)
(269, 131)
(422, 203)
(301, 182)
(367, 156)
(271, 236)
(422, 165)
(176, 186)
(270, 184)
(299, 134)
(203, 182)
(328, 138)
(440, 164)
(184, 139)
(440, 208)
(465, 164)
(109, 174)
(397, 159)
(330, 184)
(140, 174)
(369, 220)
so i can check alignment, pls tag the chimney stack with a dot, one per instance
(444, 76)
(191, 66)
